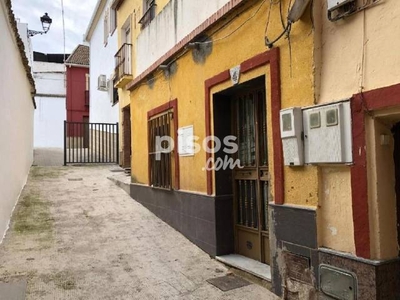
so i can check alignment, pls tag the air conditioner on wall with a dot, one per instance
(102, 83)
(339, 9)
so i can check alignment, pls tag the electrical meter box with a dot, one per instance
(291, 124)
(327, 134)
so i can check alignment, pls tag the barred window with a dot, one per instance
(160, 161)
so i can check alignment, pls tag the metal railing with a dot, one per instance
(86, 143)
(123, 62)
(149, 14)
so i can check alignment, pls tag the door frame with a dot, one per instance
(269, 59)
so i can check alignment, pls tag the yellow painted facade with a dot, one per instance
(305, 81)
(321, 62)
(187, 85)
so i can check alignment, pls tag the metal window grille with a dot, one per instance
(160, 166)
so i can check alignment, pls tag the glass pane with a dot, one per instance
(246, 130)
(262, 121)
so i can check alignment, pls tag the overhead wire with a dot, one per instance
(215, 40)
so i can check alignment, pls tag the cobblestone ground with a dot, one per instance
(76, 235)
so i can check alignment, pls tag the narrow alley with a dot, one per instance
(75, 235)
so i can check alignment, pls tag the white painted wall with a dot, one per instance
(23, 33)
(51, 108)
(16, 122)
(49, 122)
(171, 25)
(102, 63)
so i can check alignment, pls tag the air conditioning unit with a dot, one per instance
(339, 9)
(102, 83)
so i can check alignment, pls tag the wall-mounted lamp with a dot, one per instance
(46, 23)
(163, 67)
(194, 45)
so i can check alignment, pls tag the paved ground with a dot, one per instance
(76, 235)
(48, 157)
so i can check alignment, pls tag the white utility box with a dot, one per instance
(291, 120)
(327, 134)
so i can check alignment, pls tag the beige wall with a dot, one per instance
(360, 51)
(352, 55)
(335, 213)
(16, 123)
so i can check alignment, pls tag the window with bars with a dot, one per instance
(160, 161)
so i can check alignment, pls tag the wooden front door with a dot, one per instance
(251, 180)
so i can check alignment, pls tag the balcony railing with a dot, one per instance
(87, 98)
(149, 14)
(123, 62)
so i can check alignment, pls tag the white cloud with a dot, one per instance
(77, 16)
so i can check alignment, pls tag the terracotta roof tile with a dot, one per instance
(80, 56)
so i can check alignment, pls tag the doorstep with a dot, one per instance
(248, 265)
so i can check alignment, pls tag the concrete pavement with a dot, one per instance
(76, 235)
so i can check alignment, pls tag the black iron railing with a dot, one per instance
(91, 143)
(123, 62)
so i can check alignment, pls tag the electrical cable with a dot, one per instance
(235, 30)
(287, 30)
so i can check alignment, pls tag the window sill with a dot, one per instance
(161, 189)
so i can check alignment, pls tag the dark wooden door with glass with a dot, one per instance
(251, 179)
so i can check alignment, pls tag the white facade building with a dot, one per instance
(104, 107)
(50, 99)
(17, 88)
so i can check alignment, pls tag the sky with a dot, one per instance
(77, 16)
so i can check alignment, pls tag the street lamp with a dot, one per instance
(46, 23)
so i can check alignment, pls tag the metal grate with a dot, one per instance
(228, 283)
(159, 160)
(86, 143)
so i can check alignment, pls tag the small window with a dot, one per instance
(332, 117)
(287, 122)
(315, 120)
(160, 160)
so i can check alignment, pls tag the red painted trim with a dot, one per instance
(272, 58)
(382, 98)
(209, 83)
(171, 105)
(221, 13)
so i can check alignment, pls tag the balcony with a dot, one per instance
(123, 66)
(87, 98)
